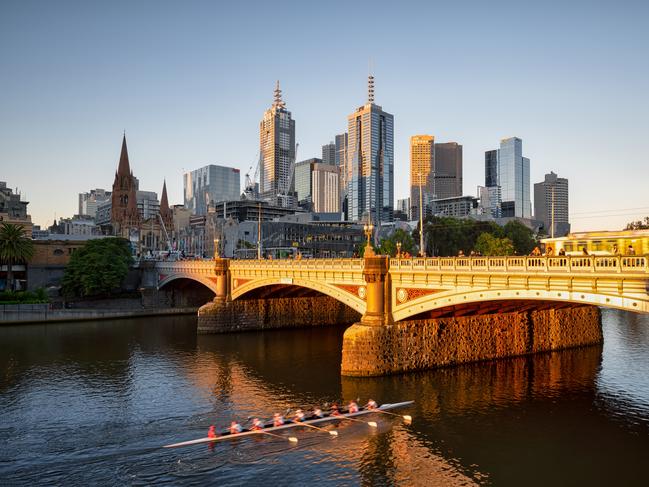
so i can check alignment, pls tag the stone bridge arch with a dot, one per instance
(241, 287)
(208, 282)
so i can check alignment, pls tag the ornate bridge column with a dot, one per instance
(222, 272)
(375, 273)
(367, 344)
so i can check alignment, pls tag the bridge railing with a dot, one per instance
(586, 263)
(333, 264)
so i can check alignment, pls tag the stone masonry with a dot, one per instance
(423, 344)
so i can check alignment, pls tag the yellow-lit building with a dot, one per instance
(422, 161)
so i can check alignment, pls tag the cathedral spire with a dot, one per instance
(164, 202)
(278, 102)
(124, 168)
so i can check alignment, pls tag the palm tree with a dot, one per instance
(15, 247)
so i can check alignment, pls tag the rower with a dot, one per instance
(256, 425)
(371, 404)
(211, 433)
(299, 416)
(235, 428)
(353, 407)
(278, 419)
(317, 413)
(334, 410)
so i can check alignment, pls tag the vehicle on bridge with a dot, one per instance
(601, 243)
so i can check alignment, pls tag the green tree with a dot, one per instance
(638, 225)
(445, 236)
(487, 244)
(389, 245)
(15, 247)
(99, 267)
(521, 236)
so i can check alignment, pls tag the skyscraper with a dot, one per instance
(329, 154)
(210, 184)
(369, 170)
(511, 172)
(422, 163)
(277, 146)
(551, 204)
(447, 172)
(341, 149)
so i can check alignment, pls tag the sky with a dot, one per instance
(189, 82)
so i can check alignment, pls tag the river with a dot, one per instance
(91, 403)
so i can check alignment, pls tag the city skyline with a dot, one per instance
(577, 100)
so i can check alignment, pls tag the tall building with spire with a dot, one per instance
(165, 212)
(277, 147)
(124, 212)
(369, 168)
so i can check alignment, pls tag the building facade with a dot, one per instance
(403, 208)
(88, 202)
(447, 170)
(422, 163)
(369, 171)
(210, 184)
(13, 209)
(303, 180)
(509, 170)
(325, 186)
(329, 154)
(277, 147)
(551, 205)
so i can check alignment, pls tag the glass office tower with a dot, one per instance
(508, 169)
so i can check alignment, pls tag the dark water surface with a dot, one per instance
(91, 403)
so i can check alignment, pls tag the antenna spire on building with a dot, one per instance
(278, 102)
(370, 89)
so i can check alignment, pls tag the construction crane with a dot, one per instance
(284, 191)
(251, 190)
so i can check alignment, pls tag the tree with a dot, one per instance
(487, 244)
(389, 245)
(15, 247)
(445, 236)
(521, 236)
(99, 267)
(638, 225)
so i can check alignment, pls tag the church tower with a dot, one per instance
(165, 211)
(124, 213)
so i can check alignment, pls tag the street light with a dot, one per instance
(217, 253)
(422, 252)
(398, 250)
(368, 228)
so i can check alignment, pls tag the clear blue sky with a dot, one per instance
(189, 81)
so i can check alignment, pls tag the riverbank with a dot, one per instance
(41, 313)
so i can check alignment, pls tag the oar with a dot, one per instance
(406, 417)
(372, 424)
(292, 439)
(331, 432)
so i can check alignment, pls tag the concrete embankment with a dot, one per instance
(41, 313)
(429, 343)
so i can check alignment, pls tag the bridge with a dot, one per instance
(387, 290)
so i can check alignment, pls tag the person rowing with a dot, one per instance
(334, 410)
(317, 413)
(353, 407)
(256, 425)
(371, 404)
(235, 428)
(278, 419)
(299, 416)
(211, 433)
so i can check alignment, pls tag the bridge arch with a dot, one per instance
(331, 290)
(208, 283)
(458, 298)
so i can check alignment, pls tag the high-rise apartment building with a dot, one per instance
(551, 205)
(303, 181)
(422, 163)
(277, 146)
(447, 170)
(511, 172)
(403, 207)
(329, 154)
(88, 202)
(210, 184)
(325, 188)
(341, 149)
(369, 170)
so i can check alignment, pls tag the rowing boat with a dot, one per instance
(383, 407)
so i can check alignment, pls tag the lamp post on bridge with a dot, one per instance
(217, 250)
(368, 228)
(398, 250)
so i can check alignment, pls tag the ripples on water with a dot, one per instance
(92, 403)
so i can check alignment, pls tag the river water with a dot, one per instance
(91, 403)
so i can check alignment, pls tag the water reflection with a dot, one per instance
(99, 399)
